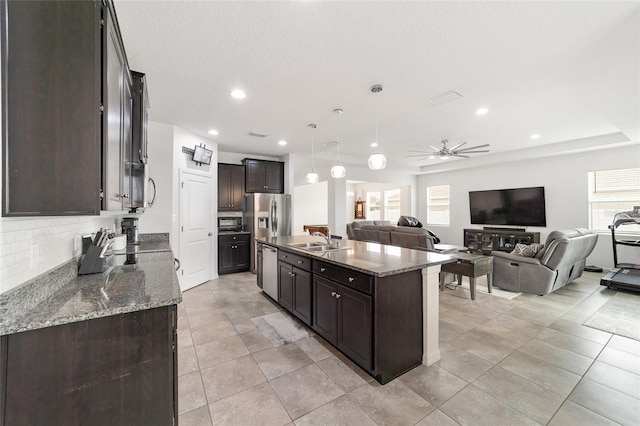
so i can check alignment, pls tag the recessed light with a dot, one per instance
(238, 94)
(282, 143)
(535, 136)
(374, 144)
(213, 132)
(482, 111)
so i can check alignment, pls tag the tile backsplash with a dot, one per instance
(32, 246)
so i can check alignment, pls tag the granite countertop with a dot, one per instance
(61, 296)
(233, 232)
(371, 258)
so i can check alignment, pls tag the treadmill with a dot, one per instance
(625, 276)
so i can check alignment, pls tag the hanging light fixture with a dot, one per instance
(312, 176)
(377, 161)
(338, 171)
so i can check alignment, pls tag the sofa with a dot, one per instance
(558, 262)
(402, 236)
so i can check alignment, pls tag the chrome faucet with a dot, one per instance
(326, 237)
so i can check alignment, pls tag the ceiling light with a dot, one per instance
(535, 136)
(282, 143)
(238, 94)
(374, 144)
(312, 176)
(338, 171)
(482, 111)
(213, 132)
(377, 161)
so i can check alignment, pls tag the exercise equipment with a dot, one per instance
(625, 276)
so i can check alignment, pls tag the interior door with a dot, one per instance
(195, 229)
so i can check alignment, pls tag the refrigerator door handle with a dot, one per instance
(274, 217)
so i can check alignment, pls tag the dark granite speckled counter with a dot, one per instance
(61, 297)
(371, 258)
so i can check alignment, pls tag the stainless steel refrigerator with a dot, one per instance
(267, 215)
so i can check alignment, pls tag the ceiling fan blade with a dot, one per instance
(457, 146)
(473, 147)
(462, 156)
(434, 148)
(425, 152)
(470, 152)
(419, 155)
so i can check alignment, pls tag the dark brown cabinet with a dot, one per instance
(119, 369)
(264, 176)
(51, 70)
(230, 187)
(294, 285)
(484, 241)
(233, 253)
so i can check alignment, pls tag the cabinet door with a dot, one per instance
(226, 256)
(51, 108)
(236, 191)
(274, 177)
(224, 187)
(302, 295)
(285, 285)
(325, 308)
(242, 256)
(254, 172)
(355, 325)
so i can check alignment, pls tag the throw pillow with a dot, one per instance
(527, 250)
(409, 221)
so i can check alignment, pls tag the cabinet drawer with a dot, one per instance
(344, 276)
(233, 238)
(295, 260)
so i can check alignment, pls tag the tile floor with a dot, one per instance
(525, 361)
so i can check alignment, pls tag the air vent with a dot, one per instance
(446, 98)
(258, 135)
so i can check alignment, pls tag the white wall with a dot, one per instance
(564, 178)
(310, 208)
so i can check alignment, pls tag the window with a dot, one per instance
(392, 205)
(611, 192)
(438, 205)
(373, 206)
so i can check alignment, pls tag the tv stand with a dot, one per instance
(484, 241)
(493, 228)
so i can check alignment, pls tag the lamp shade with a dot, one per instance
(338, 172)
(377, 161)
(312, 177)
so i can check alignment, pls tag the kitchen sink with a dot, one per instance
(317, 247)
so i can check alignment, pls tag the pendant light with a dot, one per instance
(338, 171)
(377, 161)
(312, 176)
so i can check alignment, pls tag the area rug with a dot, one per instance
(620, 315)
(280, 328)
(481, 287)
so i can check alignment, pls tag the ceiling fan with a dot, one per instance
(445, 152)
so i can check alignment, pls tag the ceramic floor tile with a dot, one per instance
(544, 374)
(437, 418)
(473, 406)
(449, 330)
(391, 404)
(231, 377)
(579, 330)
(341, 374)
(187, 360)
(281, 360)
(338, 412)
(607, 402)
(462, 363)
(515, 324)
(534, 401)
(559, 357)
(221, 350)
(190, 392)
(530, 315)
(214, 329)
(615, 378)
(572, 343)
(484, 345)
(572, 414)
(621, 359)
(316, 349)
(625, 344)
(255, 406)
(184, 338)
(304, 390)
(197, 417)
(433, 383)
(255, 341)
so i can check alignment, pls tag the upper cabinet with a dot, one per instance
(51, 75)
(264, 176)
(68, 99)
(230, 187)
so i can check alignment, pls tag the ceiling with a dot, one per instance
(564, 70)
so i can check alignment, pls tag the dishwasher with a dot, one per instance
(270, 271)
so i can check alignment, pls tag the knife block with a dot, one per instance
(92, 263)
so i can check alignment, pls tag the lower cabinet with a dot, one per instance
(120, 369)
(294, 286)
(343, 316)
(233, 253)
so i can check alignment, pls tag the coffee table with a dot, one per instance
(469, 265)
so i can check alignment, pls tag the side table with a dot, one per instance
(469, 265)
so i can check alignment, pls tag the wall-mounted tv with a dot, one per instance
(513, 207)
(202, 155)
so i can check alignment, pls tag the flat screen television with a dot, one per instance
(202, 155)
(513, 207)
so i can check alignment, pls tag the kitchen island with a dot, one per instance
(378, 304)
(93, 349)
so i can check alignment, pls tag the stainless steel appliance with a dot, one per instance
(130, 229)
(270, 271)
(267, 215)
(229, 223)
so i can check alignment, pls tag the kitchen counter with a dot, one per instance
(61, 296)
(233, 232)
(371, 258)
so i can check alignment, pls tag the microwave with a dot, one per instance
(227, 223)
